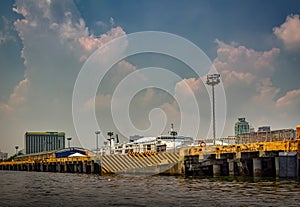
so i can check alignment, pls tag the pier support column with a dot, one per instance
(256, 167)
(58, 168)
(231, 168)
(65, 167)
(80, 167)
(53, 167)
(92, 167)
(84, 164)
(46, 167)
(240, 167)
(288, 165)
(216, 170)
(75, 168)
(49, 166)
(97, 167)
(277, 167)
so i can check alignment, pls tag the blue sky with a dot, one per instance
(254, 45)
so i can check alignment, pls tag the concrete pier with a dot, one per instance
(257, 167)
(231, 168)
(288, 165)
(216, 170)
(277, 167)
(61, 165)
(263, 159)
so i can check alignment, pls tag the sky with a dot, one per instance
(254, 46)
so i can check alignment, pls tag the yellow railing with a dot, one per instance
(49, 160)
(285, 146)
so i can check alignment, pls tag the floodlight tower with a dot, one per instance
(212, 80)
(16, 147)
(110, 135)
(173, 133)
(97, 134)
(69, 140)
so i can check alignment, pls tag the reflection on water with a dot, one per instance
(59, 189)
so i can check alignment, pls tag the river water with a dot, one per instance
(62, 189)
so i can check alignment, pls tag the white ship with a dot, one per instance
(162, 143)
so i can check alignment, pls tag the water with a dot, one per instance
(59, 189)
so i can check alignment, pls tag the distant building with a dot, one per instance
(44, 141)
(241, 127)
(3, 156)
(267, 136)
(264, 129)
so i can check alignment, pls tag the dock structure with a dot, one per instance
(62, 165)
(53, 161)
(142, 163)
(260, 159)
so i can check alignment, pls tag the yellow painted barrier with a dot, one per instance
(298, 131)
(284, 146)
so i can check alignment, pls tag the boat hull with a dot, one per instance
(139, 163)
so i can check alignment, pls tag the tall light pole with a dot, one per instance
(69, 140)
(173, 133)
(97, 134)
(16, 147)
(110, 134)
(212, 80)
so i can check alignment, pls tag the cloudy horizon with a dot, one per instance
(255, 47)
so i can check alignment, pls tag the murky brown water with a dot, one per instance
(58, 189)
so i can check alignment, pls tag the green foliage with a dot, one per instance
(14, 156)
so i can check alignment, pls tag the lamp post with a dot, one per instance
(110, 134)
(97, 134)
(16, 147)
(212, 80)
(173, 133)
(69, 140)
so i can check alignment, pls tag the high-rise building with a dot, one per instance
(44, 141)
(241, 126)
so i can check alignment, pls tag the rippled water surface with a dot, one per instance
(59, 189)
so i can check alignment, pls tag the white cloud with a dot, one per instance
(17, 98)
(101, 102)
(248, 75)
(101, 24)
(289, 32)
(5, 33)
(193, 83)
(72, 30)
(5, 108)
(290, 99)
(112, 21)
(241, 59)
(266, 93)
(19, 95)
(55, 44)
(90, 43)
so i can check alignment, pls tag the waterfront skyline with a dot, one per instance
(254, 45)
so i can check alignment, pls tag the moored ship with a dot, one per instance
(146, 155)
